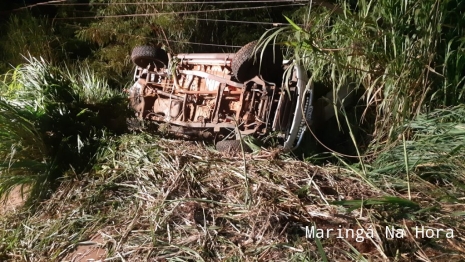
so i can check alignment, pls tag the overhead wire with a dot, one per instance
(192, 43)
(240, 21)
(191, 3)
(290, 3)
(172, 41)
(63, 3)
(217, 20)
(175, 13)
(237, 21)
(162, 3)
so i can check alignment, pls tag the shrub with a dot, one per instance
(407, 56)
(53, 123)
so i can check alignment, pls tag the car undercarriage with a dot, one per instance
(211, 96)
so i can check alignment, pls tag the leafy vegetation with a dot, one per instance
(404, 55)
(147, 197)
(104, 33)
(152, 197)
(53, 122)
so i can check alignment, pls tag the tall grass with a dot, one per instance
(23, 152)
(407, 56)
(435, 152)
(26, 33)
(53, 122)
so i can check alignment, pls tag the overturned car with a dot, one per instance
(223, 97)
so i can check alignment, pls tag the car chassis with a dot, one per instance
(199, 96)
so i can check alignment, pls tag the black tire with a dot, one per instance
(232, 146)
(246, 65)
(144, 55)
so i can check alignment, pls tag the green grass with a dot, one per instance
(152, 198)
(407, 57)
(53, 123)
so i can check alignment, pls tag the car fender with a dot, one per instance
(299, 121)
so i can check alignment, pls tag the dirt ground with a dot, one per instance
(90, 252)
(13, 202)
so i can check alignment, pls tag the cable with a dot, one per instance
(175, 13)
(63, 3)
(196, 43)
(241, 21)
(60, 2)
(173, 41)
(238, 21)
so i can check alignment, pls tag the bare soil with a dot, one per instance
(14, 201)
(91, 251)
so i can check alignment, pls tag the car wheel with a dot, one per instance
(246, 65)
(144, 55)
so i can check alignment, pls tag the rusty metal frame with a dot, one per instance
(263, 97)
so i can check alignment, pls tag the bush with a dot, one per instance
(407, 56)
(54, 121)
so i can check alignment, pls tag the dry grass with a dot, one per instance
(154, 199)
